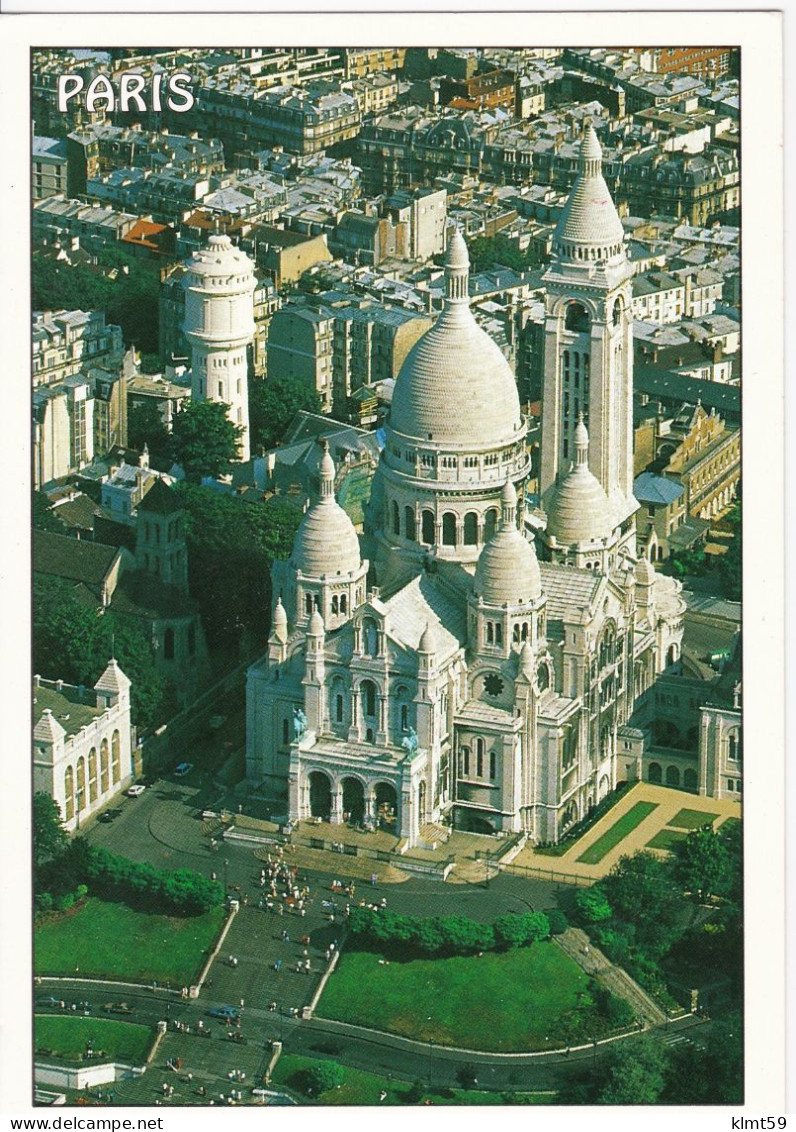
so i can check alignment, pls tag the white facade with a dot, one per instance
(219, 325)
(82, 743)
(474, 683)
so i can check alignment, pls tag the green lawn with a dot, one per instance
(66, 1038)
(108, 940)
(692, 819)
(728, 823)
(500, 1001)
(360, 1088)
(665, 838)
(617, 832)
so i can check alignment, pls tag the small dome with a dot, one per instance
(326, 542)
(508, 497)
(279, 625)
(589, 217)
(316, 627)
(526, 660)
(590, 148)
(457, 255)
(507, 571)
(427, 642)
(579, 510)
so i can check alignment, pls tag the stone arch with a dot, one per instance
(603, 787)
(471, 529)
(689, 778)
(370, 636)
(69, 794)
(385, 798)
(353, 799)
(409, 523)
(672, 655)
(655, 773)
(368, 699)
(427, 534)
(577, 318)
(92, 775)
(570, 815)
(617, 310)
(396, 518)
(449, 529)
(490, 523)
(116, 757)
(734, 745)
(672, 776)
(319, 786)
(81, 784)
(104, 766)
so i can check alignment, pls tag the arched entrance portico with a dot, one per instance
(353, 801)
(385, 797)
(320, 795)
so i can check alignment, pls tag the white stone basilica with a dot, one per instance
(459, 676)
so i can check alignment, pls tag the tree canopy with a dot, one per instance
(49, 835)
(703, 863)
(74, 642)
(204, 441)
(145, 425)
(273, 402)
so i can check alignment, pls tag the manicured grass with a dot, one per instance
(66, 1038)
(108, 940)
(360, 1088)
(665, 838)
(692, 819)
(498, 1001)
(617, 832)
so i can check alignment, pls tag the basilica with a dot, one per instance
(464, 661)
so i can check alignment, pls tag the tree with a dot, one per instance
(643, 893)
(49, 836)
(145, 425)
(323, 1076)
(634, 1073)
(702, 863)
(204, 441)
(710, 1072)
(273, 402)
(592, 905)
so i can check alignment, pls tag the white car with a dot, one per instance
(136, 791)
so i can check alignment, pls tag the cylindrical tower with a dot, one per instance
(219, 324)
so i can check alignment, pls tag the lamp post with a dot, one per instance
(226, 866)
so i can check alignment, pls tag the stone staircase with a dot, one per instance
(431, 836)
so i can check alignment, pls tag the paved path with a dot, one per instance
(580, 948)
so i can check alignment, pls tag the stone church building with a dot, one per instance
(464, 661)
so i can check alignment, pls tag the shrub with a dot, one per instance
(323, 1076)
(558, 921)
(592, 905)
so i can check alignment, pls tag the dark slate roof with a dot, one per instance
(140, 594)
(67, 707)
(649, 488)
(75, 559)
(672, 387)
(160, 500)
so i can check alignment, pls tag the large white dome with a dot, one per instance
(455, 386)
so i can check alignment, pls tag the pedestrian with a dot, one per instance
(373, 879)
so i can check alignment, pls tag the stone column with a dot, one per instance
(381, 732)
(353, 731)
(336, 814)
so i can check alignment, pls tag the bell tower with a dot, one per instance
(588, 368)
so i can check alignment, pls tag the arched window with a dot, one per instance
(427, 533)
(577, 318)
(335, 606)
(690, 778)
(103, 766)
(343, 603)
(490, 523)
(492, 765)
(734, 748)
(671, 655)
(465, 762)
(396, 518)
(470, 529)
(168, 644)
(490, 633)
(479, 758)
(516, 635)
(81, 783)
(338, 708)
(404, 717)
(409, 523)
(655, 773)
(308, 604)
(672, 776)
(92, 775)
(368, 693)
(524, 630)
(449, 529)
(69, 794)
(116, 757)
(498, 633)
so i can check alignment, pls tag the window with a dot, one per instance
(338, 708)
(396, 518)
(492, 765)
(428, 528)
(493, 684)
(470, 528)
(479, 758)
(409, 523)
(449, 529)
(465, 765)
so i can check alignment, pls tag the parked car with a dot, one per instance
(136, 791)
(182, 769)
(48, 1000)
(116, 1008)
(230, 1012)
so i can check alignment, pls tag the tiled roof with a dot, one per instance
(567, 587)
(66, 707)
(649, 488)
(75, 559)
(422, 603)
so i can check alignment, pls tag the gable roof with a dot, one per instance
(649, 488)
(74, 559)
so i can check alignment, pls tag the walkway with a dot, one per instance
(668, 803)
(579, 947)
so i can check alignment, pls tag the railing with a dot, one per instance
(555, 877)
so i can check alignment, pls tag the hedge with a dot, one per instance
(447, 935)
